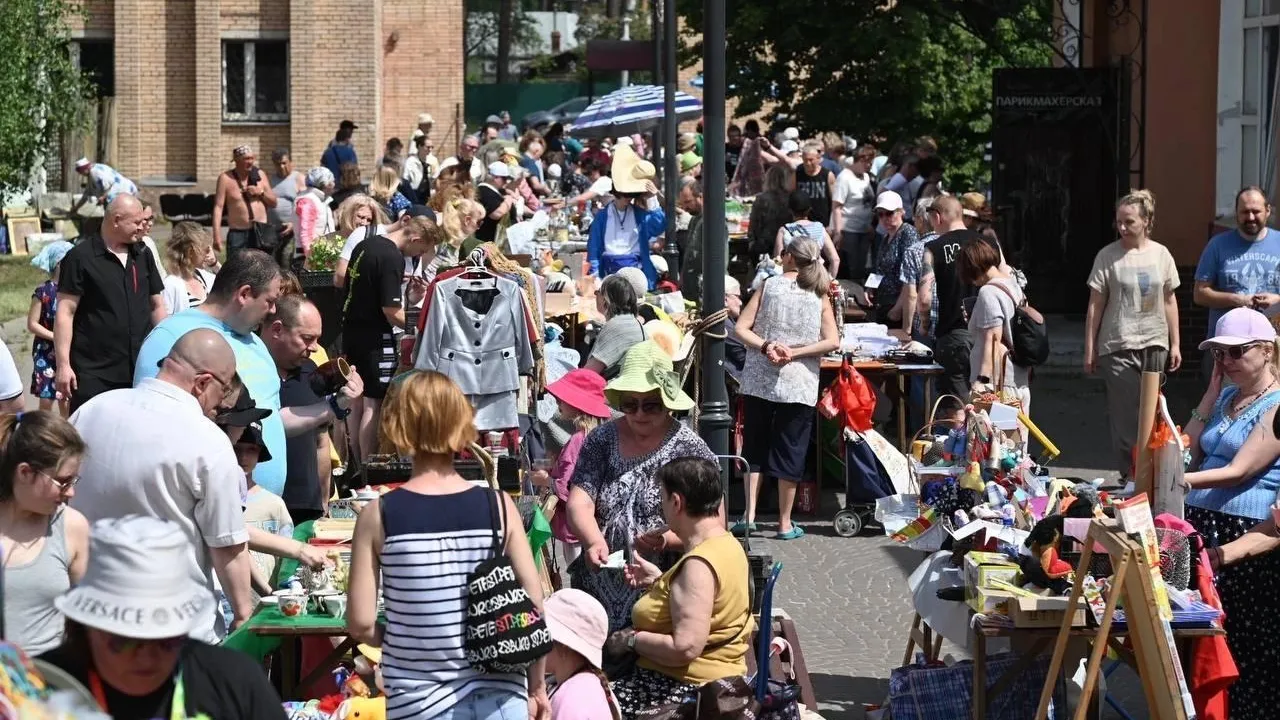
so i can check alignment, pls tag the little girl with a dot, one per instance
(582, 406)
(44, 307)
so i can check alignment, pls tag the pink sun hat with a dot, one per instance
(1241, 326)
(582, 390)
(579, 622)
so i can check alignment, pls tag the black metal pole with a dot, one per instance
(670, 167)
(715, 419)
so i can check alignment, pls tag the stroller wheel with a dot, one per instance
(847, 523)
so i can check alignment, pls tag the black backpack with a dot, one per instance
(1029, 338)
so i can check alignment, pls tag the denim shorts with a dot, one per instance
(489, 704)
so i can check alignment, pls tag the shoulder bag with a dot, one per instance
(505, 632)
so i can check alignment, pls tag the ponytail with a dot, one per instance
(42, 439)
(810, 274)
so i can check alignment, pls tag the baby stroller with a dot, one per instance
(865, 481)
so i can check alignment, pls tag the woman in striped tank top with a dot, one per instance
(424, 539)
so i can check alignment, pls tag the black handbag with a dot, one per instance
(505, 632)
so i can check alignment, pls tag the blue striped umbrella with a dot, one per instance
(632, 109)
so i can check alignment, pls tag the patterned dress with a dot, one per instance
(628, 503)
(43, 367)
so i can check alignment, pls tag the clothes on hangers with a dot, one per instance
(477, 332)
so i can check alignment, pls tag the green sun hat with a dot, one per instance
(645, 368)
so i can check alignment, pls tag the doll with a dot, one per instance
(1044, 568)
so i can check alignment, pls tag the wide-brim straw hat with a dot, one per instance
(629, 172)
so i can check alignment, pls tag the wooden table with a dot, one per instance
(269, 623)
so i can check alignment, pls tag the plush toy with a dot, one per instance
(971, 479)
(363, 709)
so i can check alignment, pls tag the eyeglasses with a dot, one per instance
(121, 645)
(64, 484)
(227, 386)
(1235, 352)
(647, 407)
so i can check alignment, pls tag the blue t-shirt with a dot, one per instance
(532, 166)
(1230, 263)
(254, 365)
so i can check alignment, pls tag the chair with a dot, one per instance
(198, 207)
(172, 208)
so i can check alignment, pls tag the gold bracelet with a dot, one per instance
(1195, 415)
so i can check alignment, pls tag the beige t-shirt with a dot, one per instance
(1133, 284)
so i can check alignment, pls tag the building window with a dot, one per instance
(97, 60)
(255, 80)
(1248, 114)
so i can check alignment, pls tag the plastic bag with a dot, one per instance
(851, 396)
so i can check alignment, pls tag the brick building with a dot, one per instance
(191, 79)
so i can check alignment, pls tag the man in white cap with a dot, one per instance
(104, 183)
(128, 622)
(425, 123)
(498, 199)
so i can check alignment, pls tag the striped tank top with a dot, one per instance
(432, 542)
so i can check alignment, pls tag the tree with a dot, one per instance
(494, 28)
(45, 93)
(880, 70)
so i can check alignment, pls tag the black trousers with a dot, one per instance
(952, 353)
(89, 387)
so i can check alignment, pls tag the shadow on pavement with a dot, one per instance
(842, 697)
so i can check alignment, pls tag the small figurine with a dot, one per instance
(971, 479)
(1044, 568)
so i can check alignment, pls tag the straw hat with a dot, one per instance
(629, 172)
(137, 585)
(645, 368)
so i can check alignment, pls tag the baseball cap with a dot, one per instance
(421, 211)
(499, 169)
(83, 163)
(348, 124)
(889, 200)
(789, 146)
(1241, 326)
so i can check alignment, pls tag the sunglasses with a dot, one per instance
(647, 407)
(122, 645)
(1235, 352)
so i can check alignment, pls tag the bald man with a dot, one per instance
(153, 450)
(108, 300)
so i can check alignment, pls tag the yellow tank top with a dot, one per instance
(726, 649)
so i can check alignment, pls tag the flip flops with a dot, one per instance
(795, 533)
(741, 528)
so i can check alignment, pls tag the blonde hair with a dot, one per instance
(346, 214)
(385, 183)
(833, 143)
(426, 230)
(810, 274)
(186, 249)
(453, 215)
(427, 414)
(583, 422)
(1145, 201)
(449, 188)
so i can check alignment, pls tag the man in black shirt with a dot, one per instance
(291, 334)
(374, 307)
(939, 275)
(108, 300)
(497, 198)
(127, 625)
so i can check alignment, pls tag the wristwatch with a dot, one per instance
(338, 412)
(631, 641)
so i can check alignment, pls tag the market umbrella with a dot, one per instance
(632, 109)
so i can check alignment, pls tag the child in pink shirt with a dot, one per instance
(579, 627)
(582, 405)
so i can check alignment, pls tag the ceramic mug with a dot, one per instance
(334, 375)
(335, 606)
(293, 605)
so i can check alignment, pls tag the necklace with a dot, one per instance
(620, 217)
(1240, 408)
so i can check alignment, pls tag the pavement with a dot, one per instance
(848, 596)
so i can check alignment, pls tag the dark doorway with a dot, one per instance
(1060, 158)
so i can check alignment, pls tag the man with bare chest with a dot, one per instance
(245, 194)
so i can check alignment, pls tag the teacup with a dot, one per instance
(293, 605)
(335, 606)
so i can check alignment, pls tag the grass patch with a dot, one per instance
(18, 279)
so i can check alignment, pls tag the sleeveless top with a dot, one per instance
(730, 632)
(789, 316)
(819, 193)
(1221, 440)
(432, 542)
(30, 620)
(804, 228)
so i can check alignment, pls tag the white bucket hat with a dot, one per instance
(136, 586)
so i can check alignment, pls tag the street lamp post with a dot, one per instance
(671, 167)
(715, 419)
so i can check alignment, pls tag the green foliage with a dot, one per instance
(481, 30)
(44, 92)
(880, 70)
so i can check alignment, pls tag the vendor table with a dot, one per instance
(559, 308)
(271, 623)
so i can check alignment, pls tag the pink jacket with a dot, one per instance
(561, 474)
(315, 219)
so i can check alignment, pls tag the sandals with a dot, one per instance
(795, 533)
(742, 527)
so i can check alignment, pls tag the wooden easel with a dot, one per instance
(1153, 656)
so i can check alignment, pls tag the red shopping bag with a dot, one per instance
(851, 396)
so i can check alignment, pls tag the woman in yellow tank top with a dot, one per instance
(693, 625)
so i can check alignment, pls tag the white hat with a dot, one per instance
(553, 170)
(577, 621)
(791, 134)
(425, 118)
(626, 140)
(659, 263)
(497, 168)
(83, 163)
(137, 585)
(790, 146)
(889, 200)
(638, 280)
(732, 286)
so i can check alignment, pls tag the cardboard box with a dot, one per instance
(980, 568)
(1044, 612)
(989, 601)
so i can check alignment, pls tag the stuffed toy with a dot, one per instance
(358, 708)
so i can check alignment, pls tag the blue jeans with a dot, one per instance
(489, 704)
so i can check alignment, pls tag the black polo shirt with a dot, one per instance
(302, 468)
(113, 315)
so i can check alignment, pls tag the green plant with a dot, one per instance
(325, 252)
(44, 93)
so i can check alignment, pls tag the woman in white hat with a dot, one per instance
(579, 627)
(127, 626)
(311, 207)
